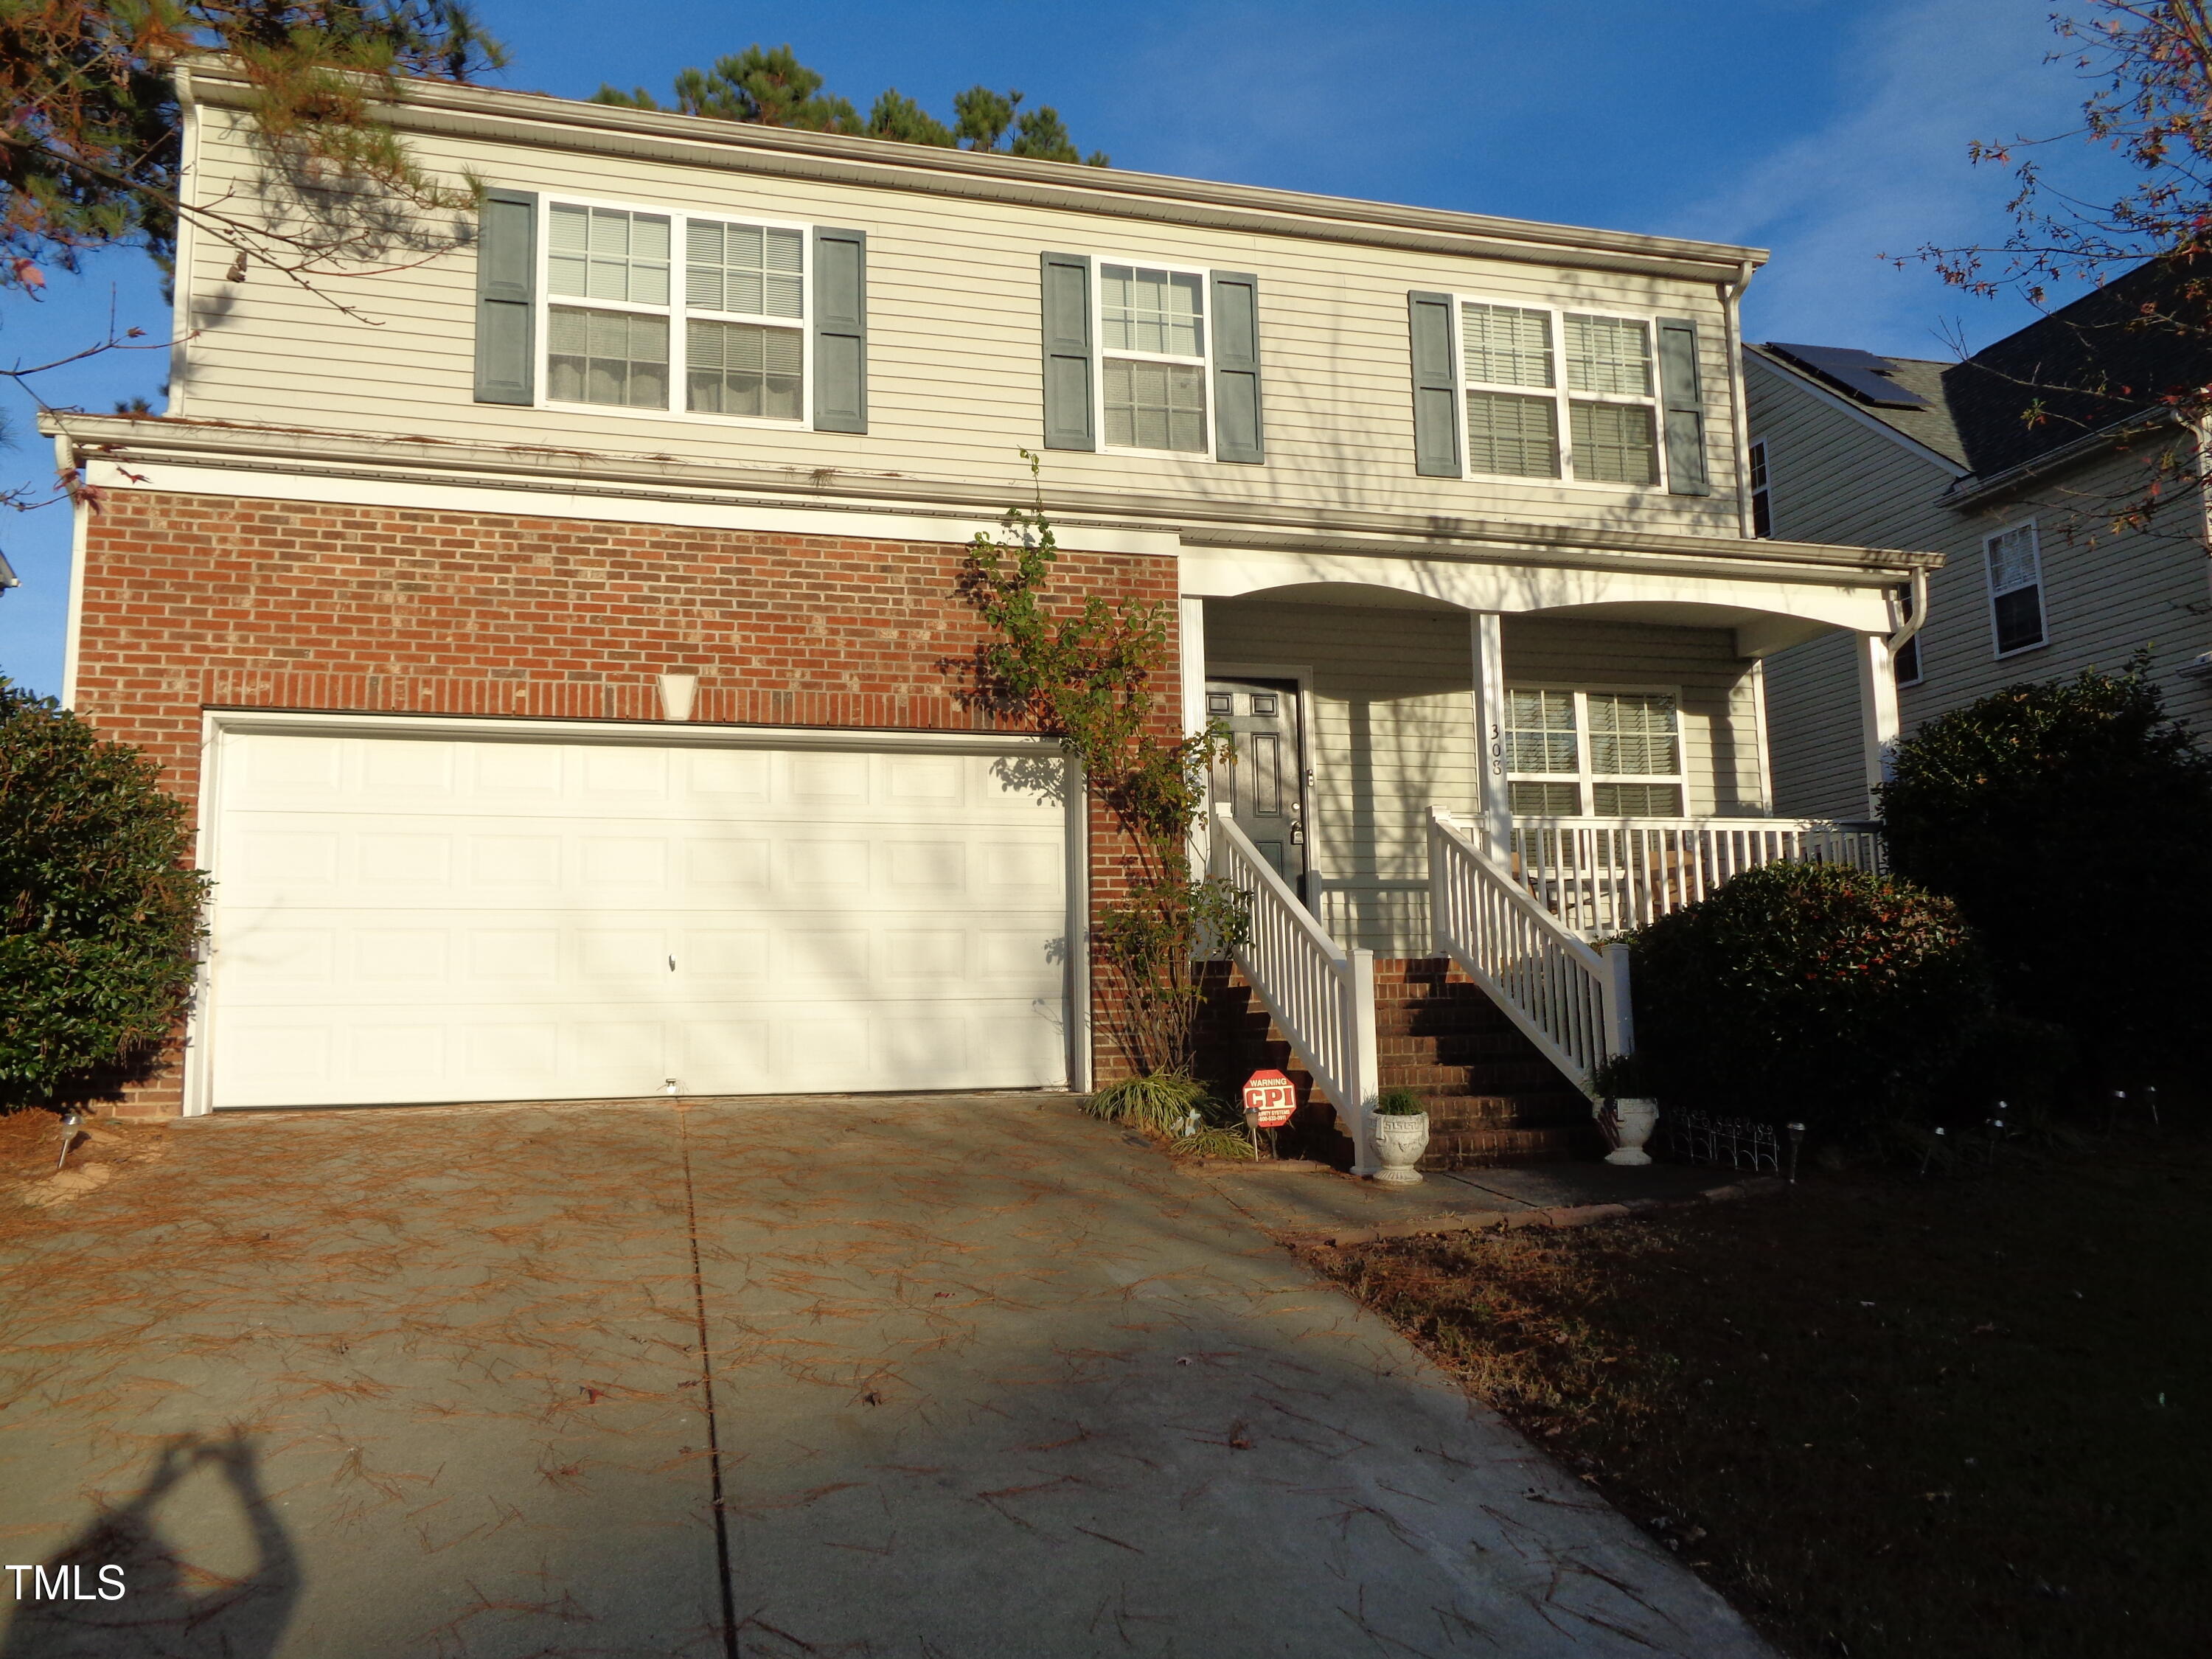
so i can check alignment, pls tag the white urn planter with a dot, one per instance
(1401, 1138)
(1628, 1124)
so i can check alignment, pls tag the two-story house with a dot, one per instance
(2026, 464)
(558, 632)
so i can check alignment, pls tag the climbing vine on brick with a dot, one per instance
(1083, 674)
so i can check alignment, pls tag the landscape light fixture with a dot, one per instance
(71, 1120)
(1796, 1140)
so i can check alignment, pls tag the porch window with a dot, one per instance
(2016, 566)
(645, 309)
(1598, 754)
(1531, 375)
(1151, 326)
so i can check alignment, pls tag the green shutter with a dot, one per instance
(841, 331)
(1684, 399)
(507, 275)
(1238, 432)
(1069, 356)
(1435, 386)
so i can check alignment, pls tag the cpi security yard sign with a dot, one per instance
(1269, 1099)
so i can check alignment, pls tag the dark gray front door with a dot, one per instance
(1263, 783)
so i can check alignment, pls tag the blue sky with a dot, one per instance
(1832, 132)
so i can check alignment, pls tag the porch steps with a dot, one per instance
(1492, 1097)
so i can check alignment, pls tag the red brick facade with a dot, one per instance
(192, 602)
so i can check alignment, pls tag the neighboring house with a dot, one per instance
(563, 645)
(2040, 583)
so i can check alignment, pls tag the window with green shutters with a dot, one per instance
(1153, 358)
(1550, 393)
(1598, 754)
(676, 312)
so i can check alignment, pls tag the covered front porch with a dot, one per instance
(1499, 768)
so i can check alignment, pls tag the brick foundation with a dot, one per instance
(192, 602)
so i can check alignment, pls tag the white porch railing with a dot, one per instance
(1321, 994)
(1602, 876)
(1569, 999)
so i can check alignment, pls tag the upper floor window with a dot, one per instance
(2016, 572)
(1762, 504)
(1559, 394)
(1151, 334)
(661, 311)
(1598, 754)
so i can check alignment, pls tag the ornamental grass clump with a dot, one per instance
(99, 910)
(1811, 992)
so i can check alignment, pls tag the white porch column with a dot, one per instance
(1190, 654)
(1487, 632)
(1877, 712)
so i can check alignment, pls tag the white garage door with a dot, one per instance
(414, 919)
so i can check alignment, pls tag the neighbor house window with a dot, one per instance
(1762, 505)
(1905, 666)
(1152, 332)
(2016, 566)
(1596, 754)
(718, 330)
(1559, 394)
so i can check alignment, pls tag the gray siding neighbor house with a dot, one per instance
(2021, 464)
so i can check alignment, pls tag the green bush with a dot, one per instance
(99, 913)
(1811, 992)
(1399, 1103)
(2072, 823)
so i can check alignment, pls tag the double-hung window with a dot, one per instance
(2015, 570)
(675, 312)
(1152, 367)
(1550, 393)
(1595, 754)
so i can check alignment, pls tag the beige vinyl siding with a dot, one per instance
(1392, 733)
(1831, 477)
(2104, 594)
(953, 351)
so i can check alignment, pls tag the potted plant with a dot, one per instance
(1401, 1135)
(1625, 1108)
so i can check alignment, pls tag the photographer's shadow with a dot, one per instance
(168, 1608)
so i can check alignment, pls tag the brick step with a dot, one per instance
(1507, 1111)
(1450, 1047)
(1478, 1149)
(1501, 1076)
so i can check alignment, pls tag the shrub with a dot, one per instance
(1162, 1102)
(1399, 1103)
(1805, 991)
(99, 910)
(2072, 823)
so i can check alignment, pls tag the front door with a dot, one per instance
(1263, 781)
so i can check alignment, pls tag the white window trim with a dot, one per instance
(1560, 396)
(1204, 362)
(1990, 587)
(1584, 779)
(676, 310)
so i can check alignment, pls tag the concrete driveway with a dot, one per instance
(942, 1377)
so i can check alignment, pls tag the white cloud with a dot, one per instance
(1892, 175)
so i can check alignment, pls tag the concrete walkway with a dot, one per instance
(978, 1377)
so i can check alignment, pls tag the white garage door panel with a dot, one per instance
(415, 920)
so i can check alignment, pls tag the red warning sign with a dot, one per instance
(1269, 1099)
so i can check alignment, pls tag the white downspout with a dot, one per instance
(1731, 322)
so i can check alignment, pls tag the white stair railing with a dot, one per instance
(1606, 875)
(1322, 995)
(1568, 999)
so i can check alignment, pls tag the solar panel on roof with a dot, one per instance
(1862, 373)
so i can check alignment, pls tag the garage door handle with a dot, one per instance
(672, 965)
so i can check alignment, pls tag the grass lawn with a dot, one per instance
(1961, 1417)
